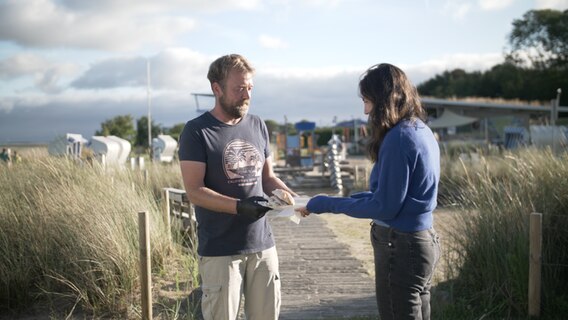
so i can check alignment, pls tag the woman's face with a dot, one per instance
(368, 106)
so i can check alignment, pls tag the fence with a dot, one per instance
(178, 207)
(540, 260)
(535, 263)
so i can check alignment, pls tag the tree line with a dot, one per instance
(123, 126)
(535, 66)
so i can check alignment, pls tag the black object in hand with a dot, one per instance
(252, 207)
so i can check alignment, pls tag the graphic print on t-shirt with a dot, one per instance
(242, 162)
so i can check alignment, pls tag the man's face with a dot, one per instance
(236, 93)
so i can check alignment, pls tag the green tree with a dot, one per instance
(542, 37)
(120, 126)
(539, 38)
(175, 130)
(142, 131)
(272, 127)
(323, 135)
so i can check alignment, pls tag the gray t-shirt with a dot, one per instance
(235, 156)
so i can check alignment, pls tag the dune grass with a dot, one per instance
(69, 236)
(488, 249)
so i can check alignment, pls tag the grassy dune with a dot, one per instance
(69, 235)
(488, 248)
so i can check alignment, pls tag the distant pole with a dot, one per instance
(286, 139)
(149, 107)
(356, 134)
(334, 124)
(554, 117)
(486, 130)
(555, 105)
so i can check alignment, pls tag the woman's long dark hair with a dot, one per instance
(394, 98)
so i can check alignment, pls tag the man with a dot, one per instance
(226, 169)
(5, 155)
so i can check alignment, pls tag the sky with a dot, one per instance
(66, 66)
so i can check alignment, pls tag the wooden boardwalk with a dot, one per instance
(320, 278)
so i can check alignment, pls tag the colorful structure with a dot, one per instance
(300, 147)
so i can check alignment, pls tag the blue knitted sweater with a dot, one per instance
(403, 182)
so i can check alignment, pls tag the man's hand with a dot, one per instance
(252, 207)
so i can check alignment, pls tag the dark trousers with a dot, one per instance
(404, 266)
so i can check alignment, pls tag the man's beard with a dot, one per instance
(236, 110)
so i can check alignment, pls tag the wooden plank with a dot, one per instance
(166, 213)
(145, 265)
(535, 263)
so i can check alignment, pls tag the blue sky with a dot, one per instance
(68, 65)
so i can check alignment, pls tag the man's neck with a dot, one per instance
(222, 116)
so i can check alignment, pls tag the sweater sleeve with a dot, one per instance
(364, 194)
(386, 201)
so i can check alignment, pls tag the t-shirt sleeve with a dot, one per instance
(191, 147)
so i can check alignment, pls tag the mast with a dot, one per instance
(149, 106)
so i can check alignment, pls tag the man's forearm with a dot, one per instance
(211, 200)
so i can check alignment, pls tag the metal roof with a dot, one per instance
(482, 109)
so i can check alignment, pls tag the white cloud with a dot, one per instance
(468, 62)
(48, 82)
(46, 74)
(416, 72)
(272, 42)
(37, 118)
(308, 3)
(6, 104)
(171, 69)
(309, 73)
(491, 5)
(322, 3)
(22, 64)
(317, 94)
(152, 6)
(43, 23)
(552, 4)
(181, 69)
(457, 10)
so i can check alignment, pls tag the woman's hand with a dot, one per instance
(303, 211)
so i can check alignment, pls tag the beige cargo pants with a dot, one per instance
(224, 279)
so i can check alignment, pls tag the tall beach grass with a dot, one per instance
(488, 249)
(69, 235)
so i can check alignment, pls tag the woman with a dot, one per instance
(402, 196)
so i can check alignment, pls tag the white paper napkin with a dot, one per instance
(288, 211)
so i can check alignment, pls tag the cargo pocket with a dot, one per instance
(210, 301)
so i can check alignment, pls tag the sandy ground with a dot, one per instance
(355, 233)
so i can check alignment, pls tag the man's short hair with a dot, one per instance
(220, 68)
